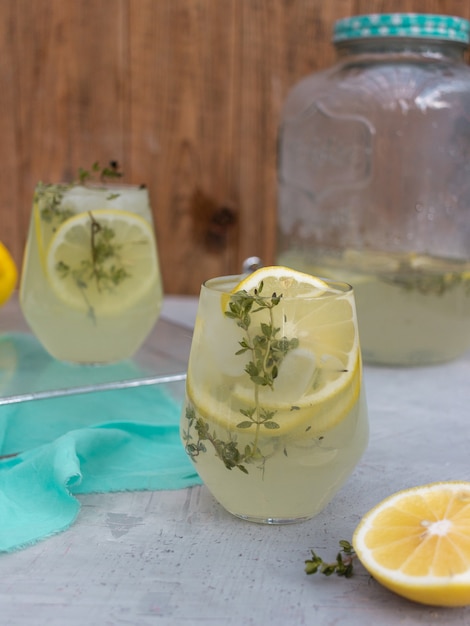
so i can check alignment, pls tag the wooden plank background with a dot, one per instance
(185, 94)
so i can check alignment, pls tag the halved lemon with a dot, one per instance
(8, 274)
(105, 259)
(417, 543)
(319, 379)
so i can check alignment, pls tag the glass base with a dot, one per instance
(272, 520)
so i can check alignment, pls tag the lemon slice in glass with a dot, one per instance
(318, 381)
(283, 280)
(417, 543)
(105, 259)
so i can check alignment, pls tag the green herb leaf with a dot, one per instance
(343, 566)
(267, 351)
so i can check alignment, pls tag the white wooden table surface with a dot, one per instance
(177, 559)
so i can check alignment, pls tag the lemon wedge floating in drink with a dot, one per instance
(8, 274)
(417, 543)
(318, 381)
(103, 259)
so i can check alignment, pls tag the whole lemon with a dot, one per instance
(8, 274)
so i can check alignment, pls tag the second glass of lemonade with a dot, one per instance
(90, 286)
(275, 416)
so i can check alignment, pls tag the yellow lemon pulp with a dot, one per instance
(318, 382)
(417, 543)
(279, 279)
(8, 274)
(134, 251)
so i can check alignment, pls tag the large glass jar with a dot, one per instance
(374, 182)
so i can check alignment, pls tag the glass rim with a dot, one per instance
(95, 185)
(228, 282)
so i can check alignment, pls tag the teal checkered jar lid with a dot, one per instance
(416, 25)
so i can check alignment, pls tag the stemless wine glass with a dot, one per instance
(90, 286)
(275, 417)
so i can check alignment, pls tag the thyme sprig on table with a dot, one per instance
(267, 351)
(343, 566)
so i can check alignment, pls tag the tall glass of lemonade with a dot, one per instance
(275, 416)
(90, 286)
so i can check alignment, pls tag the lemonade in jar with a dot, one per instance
(413, 309)
(275, 416)
(90, 286)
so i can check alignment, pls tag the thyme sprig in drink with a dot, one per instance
(91, 288)
(275, 417)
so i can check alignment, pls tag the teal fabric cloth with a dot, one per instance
(55, 449)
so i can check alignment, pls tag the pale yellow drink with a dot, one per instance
(274, 445)
(412, 309)
(90, 286)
